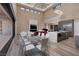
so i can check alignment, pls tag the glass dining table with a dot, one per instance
(36, 40)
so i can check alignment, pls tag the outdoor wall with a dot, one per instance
(23, 18)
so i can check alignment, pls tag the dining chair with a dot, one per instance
(26, 43)
(23, 34)
(27, 47)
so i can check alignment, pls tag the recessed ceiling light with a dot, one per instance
(38, 12)
(27, 10)
(35, 12)
(31, 10)
(22, 8)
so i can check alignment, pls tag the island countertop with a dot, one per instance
(53, 36)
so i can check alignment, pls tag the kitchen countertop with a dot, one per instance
(53, 36)
(62, 31)
(59, 31)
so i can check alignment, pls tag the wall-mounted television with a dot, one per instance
(33, 28)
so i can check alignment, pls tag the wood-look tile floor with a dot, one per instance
(3, 40)
(64, 48)
(15, 49)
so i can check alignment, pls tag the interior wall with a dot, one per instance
(70, 11)
(49, 13)
(76, 28)
(23, 19)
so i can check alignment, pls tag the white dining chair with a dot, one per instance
(23, 34)
(27, 42)
(28, 48)
(39, 46)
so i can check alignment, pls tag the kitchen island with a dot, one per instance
(58, 36)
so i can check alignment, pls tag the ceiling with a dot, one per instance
(2, 14)
(39, 6)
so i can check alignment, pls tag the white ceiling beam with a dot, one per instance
(39, 9)
(48, 7)
(26, 5)
(33, 5)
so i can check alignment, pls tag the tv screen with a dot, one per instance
(33, 28)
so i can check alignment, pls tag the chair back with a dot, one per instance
(23, 34)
